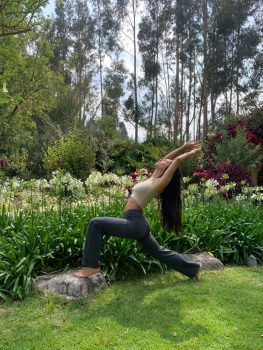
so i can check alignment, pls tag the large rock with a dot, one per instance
(66, 284)
(207, 260)
(72, 287)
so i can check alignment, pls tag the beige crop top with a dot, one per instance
(143, 192)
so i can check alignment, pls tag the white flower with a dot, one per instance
(193, 188)
(231, 185)
(65, 185)
(210, 192)
(211, 183)
(186, 179)
(225, 176)
(240, 197)
(248, 190)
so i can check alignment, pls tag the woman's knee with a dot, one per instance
(94, 223)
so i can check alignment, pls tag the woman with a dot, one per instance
(165, 184)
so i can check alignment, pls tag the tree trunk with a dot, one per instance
(177, 91)
(136, 117)
(157, 59)
(205, 77)
(232, 75)
(189, 98)
(182, 100)
(194, 98)
(100, 59)
(152, 111)
(237, 73)
(199, 118)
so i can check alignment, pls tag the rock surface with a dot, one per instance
(207, 259)
(66, 284)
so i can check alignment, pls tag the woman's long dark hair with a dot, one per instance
(171, 204)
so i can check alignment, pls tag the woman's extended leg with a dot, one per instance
(105, 226)
(169, 257)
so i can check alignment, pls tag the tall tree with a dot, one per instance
(205, 72)
(127, 11)
(149, 37)
(107, 28)
(82, 59)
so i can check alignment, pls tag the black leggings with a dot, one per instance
(134, 226)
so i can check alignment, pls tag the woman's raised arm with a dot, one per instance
(188, 146)
(164, 180)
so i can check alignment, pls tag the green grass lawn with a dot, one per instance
(162, 311)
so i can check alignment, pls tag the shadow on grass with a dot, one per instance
(145, 305)
(163, 307)
(154, 302)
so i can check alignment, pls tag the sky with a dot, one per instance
(49, 9)
(128, 59)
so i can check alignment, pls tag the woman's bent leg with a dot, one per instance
(168, 257)
(106, 226)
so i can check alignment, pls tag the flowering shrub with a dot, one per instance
(234, 173)
(252, 194)
(212, 188)
(235, 143)
(100, 189)
(64, 185)
(96, 179)
(252, 124)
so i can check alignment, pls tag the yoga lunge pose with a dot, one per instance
(165, 184)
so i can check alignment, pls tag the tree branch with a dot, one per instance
(16, 32)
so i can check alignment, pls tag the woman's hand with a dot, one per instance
(190, 145)
(188, 154)
(164, 180)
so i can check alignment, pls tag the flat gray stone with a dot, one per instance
(207, 260)
(66, 284)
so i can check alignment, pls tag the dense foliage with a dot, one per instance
(73, 154)
(66, 90)
(72, 71)
(36, 242)
(43, 226)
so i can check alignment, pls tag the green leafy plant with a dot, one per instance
(16, 163)
(238, 150)
(73, 154)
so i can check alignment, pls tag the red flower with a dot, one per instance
(133, 175)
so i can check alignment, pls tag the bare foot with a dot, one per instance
(86, 272)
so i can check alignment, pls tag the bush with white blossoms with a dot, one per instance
(42, 184)
(229, 186)
(209, 189)
(11, 188)
(96, 179)
(253, 194)
(64, 185)
(103, 189)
